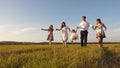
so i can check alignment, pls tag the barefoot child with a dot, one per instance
(73, 36)
(50, 37)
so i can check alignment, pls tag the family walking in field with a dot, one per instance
(83, 26)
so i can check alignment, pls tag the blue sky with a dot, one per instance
(21, 20)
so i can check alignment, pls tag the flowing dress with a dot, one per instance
(100, 32)
(65, 33)
(50, 35)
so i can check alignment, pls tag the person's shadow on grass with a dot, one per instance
(111, 59)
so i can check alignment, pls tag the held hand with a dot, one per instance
(41, 28)
(57, 30)
(93, 28)
(69, 30)
(77, 27)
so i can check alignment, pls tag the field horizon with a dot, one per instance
(19, 42)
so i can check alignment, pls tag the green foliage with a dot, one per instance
(57, 56)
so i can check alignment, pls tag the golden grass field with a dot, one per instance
(57, 56)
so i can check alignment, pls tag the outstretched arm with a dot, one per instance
(90, 25)
(58, 29)
(95, 27)
(79, 26)
(44, 29)
(76, 29)
(69, 29)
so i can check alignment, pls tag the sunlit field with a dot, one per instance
(57, 56)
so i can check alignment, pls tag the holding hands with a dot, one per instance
(58, 29)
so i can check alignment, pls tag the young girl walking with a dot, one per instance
(50, 37)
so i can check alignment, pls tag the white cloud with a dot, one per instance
(15, 29)
(23, 30)
(5, 27)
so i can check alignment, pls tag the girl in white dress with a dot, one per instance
(64, 29)
(100, 31)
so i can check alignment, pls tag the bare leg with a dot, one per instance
(50, 43)
(65, 43)
(99, 42)
(71, 41)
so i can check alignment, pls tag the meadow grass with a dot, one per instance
(57, 56)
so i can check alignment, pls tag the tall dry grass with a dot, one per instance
(57, 56)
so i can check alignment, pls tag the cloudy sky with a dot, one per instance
(22, 20)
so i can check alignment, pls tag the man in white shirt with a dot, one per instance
(84, 26)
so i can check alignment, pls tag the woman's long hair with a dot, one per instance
(63, 25)
(99, 20)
